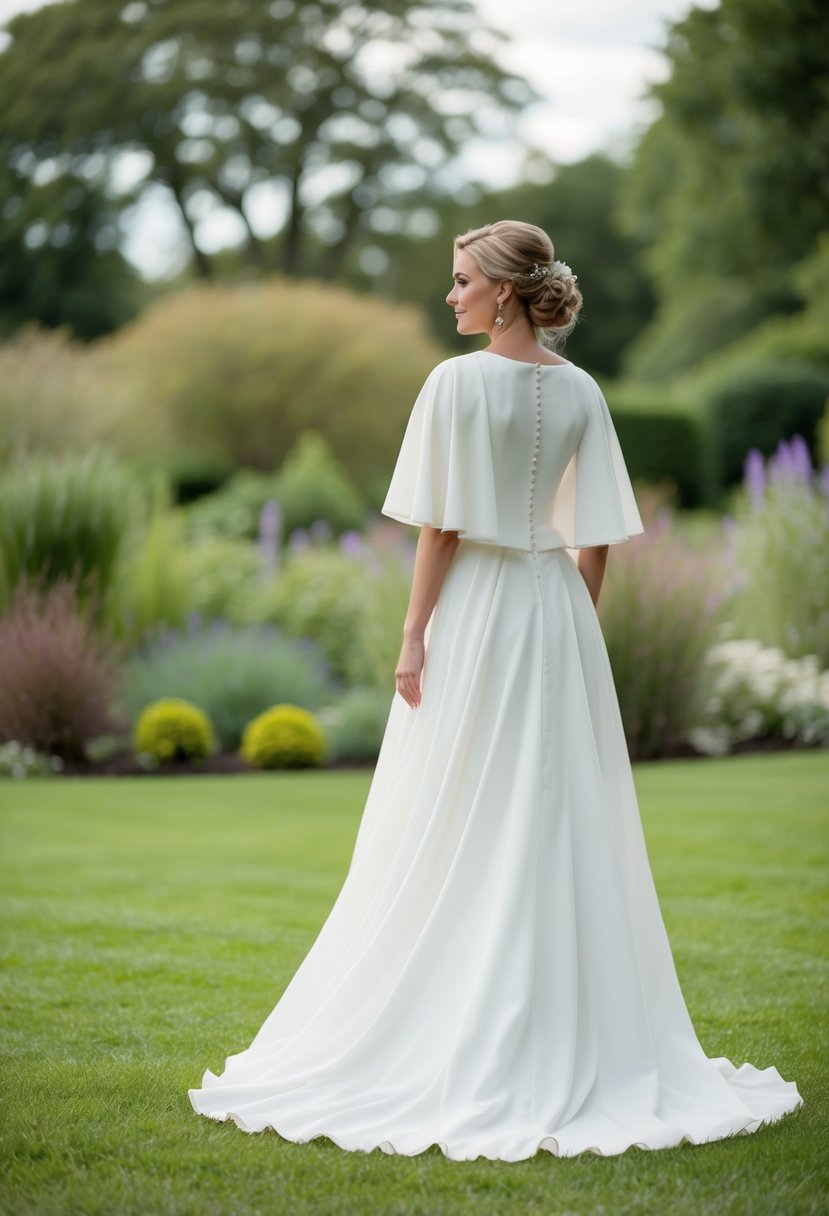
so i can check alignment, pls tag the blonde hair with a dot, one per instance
(521, 253)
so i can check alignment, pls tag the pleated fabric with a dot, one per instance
(494, 977)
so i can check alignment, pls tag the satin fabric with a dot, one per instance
(494, 976)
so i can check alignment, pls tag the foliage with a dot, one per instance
(223, 575)
(59, 262)
(746, 89)
(664, 445)
(756, 406)
(757, 693)
(174, 729)
(351, 605)
(285, 736)
(18, 760)
(310, 485)
(59, 397)
(659, 606)
(57, 673)
(355, 726)
(224, 104)
(153, 589)
(781, 547)
(241, 373)
(65, 517)
(233, 673)
(707, 315)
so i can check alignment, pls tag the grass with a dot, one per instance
(150, 924)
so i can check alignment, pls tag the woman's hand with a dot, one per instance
(408, 671)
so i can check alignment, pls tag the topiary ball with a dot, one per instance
(174, 729)
(285, 736)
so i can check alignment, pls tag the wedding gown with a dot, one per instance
(495, 976)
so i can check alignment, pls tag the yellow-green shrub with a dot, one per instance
(174, 729)
(285, 736)
(241, 372)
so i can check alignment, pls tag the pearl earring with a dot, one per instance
(499, 320)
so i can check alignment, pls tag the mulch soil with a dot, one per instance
(126, 763)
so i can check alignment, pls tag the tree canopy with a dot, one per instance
(345, 114)
(729, 188)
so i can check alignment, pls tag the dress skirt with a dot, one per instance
(494, 977)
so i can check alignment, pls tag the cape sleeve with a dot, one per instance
(444, 475)
(595, 503)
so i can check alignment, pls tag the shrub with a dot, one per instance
(233, 673)
(285, 736)
(66, 517)
(757, 693)
(659, 606)
(57, 674)
(354, 727)
(239, 373)
(222, 576)
(17, 760)
(311, 485)
(351, 605)
(234, 512)
(174, 729)
(664, 445)
(781, 547)
(153, 588)
(757, 406)
(58, 397)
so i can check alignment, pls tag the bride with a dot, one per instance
(494, 976)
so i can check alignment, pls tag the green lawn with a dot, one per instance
(150, 924)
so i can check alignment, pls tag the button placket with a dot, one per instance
(536, 450)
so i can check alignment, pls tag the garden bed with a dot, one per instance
(126, 764)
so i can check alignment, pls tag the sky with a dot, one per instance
(591, 62)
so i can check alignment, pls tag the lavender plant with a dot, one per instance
(781, 548)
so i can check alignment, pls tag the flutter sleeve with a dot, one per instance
(595, 503)
(444, 475)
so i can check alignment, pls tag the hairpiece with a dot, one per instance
(558, 270)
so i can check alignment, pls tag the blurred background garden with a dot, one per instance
(193, 566)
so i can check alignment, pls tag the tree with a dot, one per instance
(730, 186)
(59, 261)
(350, 113)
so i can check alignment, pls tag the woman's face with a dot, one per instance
(474, 297)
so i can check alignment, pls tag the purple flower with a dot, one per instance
(351, 543)
(754, 472)
(270, 519)
(801, 461)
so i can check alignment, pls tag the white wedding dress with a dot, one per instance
(494, 977)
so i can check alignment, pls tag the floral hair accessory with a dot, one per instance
(558, 270)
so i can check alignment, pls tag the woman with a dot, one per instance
(495, 977)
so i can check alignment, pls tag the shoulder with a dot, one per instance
(450, 377)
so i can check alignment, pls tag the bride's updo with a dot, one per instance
(524, 254)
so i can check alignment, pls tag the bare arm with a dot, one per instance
(592, 562)
(435, 550)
